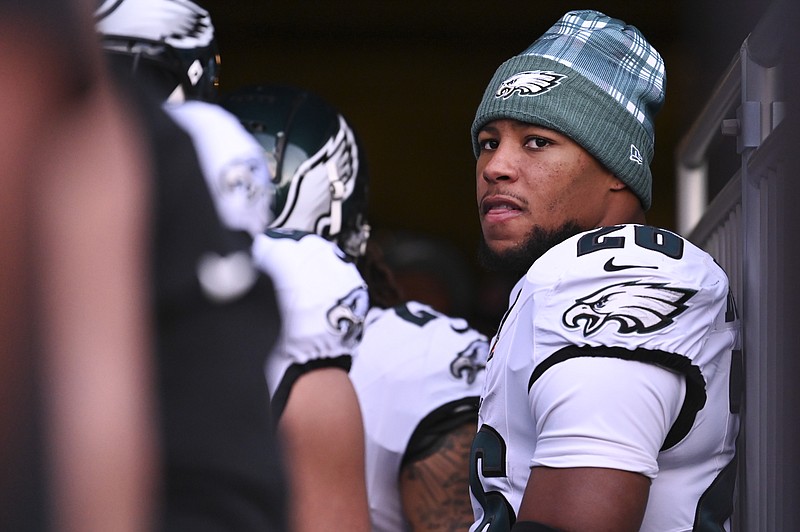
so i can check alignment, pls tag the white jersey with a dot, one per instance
(323, 301)
(233, 163)
(619, 350)
(416, 370)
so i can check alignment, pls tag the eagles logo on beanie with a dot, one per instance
(590, 77)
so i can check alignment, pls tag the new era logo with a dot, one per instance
(636, 155)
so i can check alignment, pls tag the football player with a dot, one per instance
(417, 371)
(611, 396)
(418, 376)
(323, 300)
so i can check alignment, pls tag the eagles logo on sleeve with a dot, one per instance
(470, 361)
(637, 307)
(347, 316)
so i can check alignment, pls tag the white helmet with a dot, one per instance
(174, 39)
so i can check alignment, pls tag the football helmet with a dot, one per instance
(318, 166)
(171, 41)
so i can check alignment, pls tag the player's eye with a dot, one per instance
(537, 143)
(488, 144)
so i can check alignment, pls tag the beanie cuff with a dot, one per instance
(576, 107)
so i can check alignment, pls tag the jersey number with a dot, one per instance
(420, 318)
(645, 237)
(489, 453)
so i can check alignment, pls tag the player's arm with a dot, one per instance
(435, 488)
(323, 436)
(585, 498)
(601, 422)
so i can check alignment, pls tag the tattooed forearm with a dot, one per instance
(435, 490)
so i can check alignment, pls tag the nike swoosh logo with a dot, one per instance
(609, 266)
(225, 279)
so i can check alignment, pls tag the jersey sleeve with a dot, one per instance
(606, 289)
(611, 413)
(323, 301)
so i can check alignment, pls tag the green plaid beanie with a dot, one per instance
(590, 77)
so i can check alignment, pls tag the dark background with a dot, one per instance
(409, 75)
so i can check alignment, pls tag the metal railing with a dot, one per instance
(742, 228)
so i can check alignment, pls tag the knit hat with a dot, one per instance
(590, 77)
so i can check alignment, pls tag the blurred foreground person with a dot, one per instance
(78, 446)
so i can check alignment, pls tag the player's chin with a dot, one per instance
(499, 255)
(503, 237)
(499, 245)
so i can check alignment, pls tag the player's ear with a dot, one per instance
(617, 184)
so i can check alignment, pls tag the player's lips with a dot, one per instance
(499, 208)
